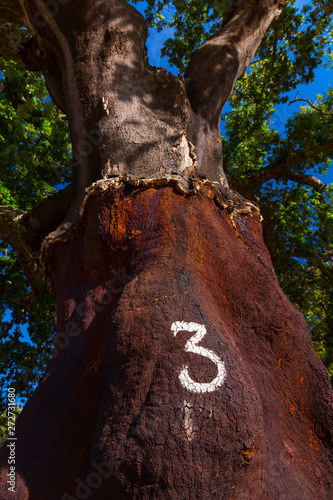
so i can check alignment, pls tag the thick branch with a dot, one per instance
(316, 108)
(317, 261)
(12, 230)
(269, 222)
(281, 169)
(224, 57)
(13, 33)
(25, 232)
(305, 180)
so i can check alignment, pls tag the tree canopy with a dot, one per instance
(275, 169)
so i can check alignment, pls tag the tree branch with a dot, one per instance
(25, 232)
(317, 261)
(17, 43)
(223, 58)
(281, 169)
(299, 99)
(305, 180)
(47, 217)
(269, 223)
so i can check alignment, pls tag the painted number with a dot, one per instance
(191, 346)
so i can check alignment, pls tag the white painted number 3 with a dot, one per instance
(191, 346)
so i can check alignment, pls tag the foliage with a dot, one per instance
(298, 38)
(298, 220)
(33, 139)
(193, 21)
(34, 160)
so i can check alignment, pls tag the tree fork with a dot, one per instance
(101, 78)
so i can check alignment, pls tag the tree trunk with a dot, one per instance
(180, 368)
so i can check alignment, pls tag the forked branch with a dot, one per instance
(283, 169)
(223, 58)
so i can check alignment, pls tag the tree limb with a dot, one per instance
(11, 11)
(269, 223)
(223, 58)
(17, 43)
(12, 230)
(11, 36)
(47, 217)
(317, 261)
(25, 232)
(305, 180)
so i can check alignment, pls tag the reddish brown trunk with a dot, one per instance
(115, 416)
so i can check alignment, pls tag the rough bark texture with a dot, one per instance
(112, 417)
